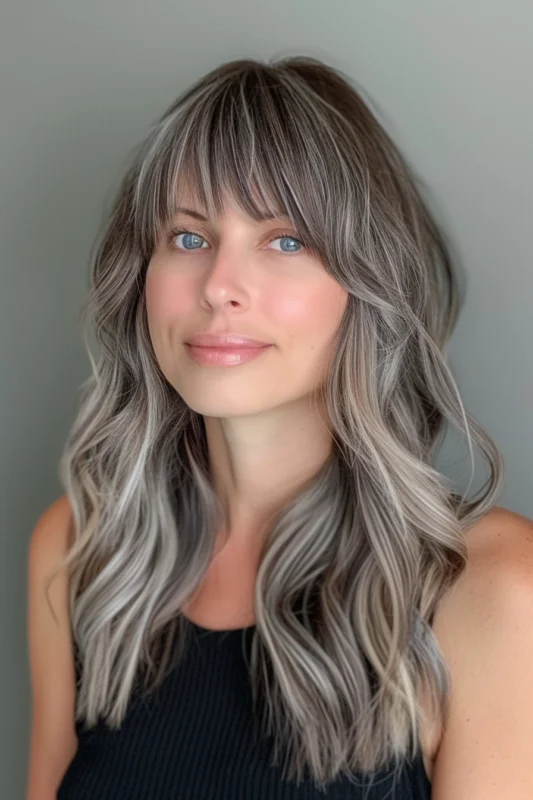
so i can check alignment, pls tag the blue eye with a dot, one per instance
(185, 233)
(290, 239)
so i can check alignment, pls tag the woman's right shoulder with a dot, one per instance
(50, 650)
(50, 536)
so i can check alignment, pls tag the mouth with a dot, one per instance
(225, 356)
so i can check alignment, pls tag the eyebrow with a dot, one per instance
(190, 212)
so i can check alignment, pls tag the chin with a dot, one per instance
(227, 408)
(212, 396)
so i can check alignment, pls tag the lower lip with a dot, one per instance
(224, 356)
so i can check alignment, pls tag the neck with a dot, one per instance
(258, 463)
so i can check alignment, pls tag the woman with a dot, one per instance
(271, 591)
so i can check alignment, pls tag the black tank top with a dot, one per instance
(194, 739)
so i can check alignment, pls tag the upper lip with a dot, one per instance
(224, 340)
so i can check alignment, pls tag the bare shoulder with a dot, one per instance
(53, 737)
(484, 626)
(501, 533)
(51, 531)
(500, 559)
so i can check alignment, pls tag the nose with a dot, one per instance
(225, 282)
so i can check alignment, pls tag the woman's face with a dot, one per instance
(233, 275)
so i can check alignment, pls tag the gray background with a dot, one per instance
(81, 81)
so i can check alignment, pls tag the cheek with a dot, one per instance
(164, 305)
(164, 301)
(316, 313)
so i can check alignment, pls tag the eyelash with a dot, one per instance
(284, 234)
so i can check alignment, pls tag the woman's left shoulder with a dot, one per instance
(485, 629)
(503, 539)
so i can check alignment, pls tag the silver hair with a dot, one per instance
(354, 566)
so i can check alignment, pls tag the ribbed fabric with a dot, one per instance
(195, 739)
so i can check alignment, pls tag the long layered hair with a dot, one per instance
(354, 566)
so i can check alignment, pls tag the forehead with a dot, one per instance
(188, 198)
(187, 193)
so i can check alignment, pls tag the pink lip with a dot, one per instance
(223, 340)
(224, 356)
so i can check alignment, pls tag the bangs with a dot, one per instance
(250, 138)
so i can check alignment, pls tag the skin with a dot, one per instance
(266, 438)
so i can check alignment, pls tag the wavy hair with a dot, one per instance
(354, 566)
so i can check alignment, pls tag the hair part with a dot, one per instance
(364, 553)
